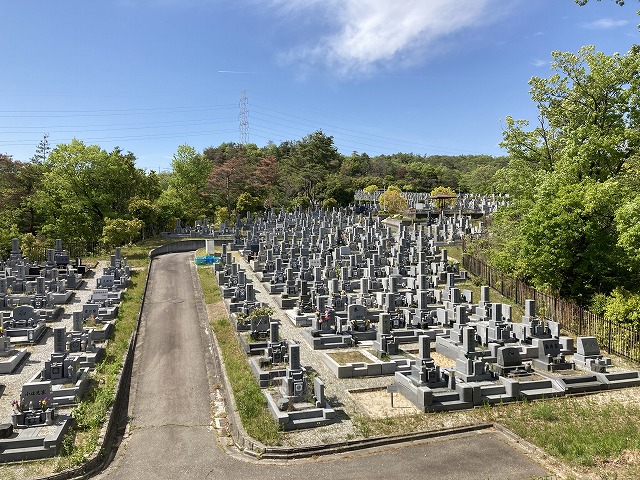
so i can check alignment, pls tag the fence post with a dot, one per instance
(580, 321)
(609, 335)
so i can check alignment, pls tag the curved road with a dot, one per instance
(170, 434)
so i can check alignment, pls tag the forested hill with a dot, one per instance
(83, 193)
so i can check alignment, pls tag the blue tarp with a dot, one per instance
(207, 260)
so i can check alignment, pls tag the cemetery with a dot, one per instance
(386, 295)
(361, 299)
(56, 321)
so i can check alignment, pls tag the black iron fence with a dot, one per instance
(618, 338)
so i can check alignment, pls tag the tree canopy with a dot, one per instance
(574, 179)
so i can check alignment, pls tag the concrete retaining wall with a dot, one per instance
(175, 247)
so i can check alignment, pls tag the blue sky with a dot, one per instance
(380, 76)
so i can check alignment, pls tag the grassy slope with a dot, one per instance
(251, 403)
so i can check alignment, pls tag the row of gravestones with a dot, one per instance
(348, 282)
(315, 240)
(65, 374)
(470, 203)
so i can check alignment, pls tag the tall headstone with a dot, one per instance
(294, 357)
(59, 340)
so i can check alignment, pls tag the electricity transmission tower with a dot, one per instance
(244, 118)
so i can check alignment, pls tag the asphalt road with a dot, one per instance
(170, 434)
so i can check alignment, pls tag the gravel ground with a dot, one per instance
(39, 353)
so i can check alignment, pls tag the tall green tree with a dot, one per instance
(310, 161)
(81, 187)
(574, 178)
(188, 181)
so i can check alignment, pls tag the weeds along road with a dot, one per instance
(170, 433)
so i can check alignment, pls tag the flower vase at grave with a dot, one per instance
(17, 418)
(49, 415)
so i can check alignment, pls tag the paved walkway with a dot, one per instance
(171, 433)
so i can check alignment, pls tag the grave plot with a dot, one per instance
(100, 327)
(10, 356)
(23, 325)
(299, 400)
(36, 429)
(269, 359)
(59, 373)
(81, 343)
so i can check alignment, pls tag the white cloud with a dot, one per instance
(606, 23)
(539, 63)
(371, 33)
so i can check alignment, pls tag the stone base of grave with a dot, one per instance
(494, 394)
(301, 416)
(90, 359)
(299, 320)
(108, 313)
(79, 284)
(327, 341)
(576, 383)
(64, 393)
(430, 399)
(364, 335)
(58, 298)
(286, 303)
(361, 369)
(538, 389)
(274, 288)
(10, 361)
(101, 334)
(35, 442)
(611, 381)
(264, 277)
(544, 366)
(266, 378)
(410, 335)
(26, 336)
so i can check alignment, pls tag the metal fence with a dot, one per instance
(81, 249)
(620, 339)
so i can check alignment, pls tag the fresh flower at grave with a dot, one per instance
(17, 406)
(43, 403)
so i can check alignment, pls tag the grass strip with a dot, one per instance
(251, 403)
(91, 411)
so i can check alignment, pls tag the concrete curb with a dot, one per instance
(291, 453)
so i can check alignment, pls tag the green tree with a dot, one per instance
(119, 231)
(392, 201)
(145, 210)
(574, 178)
(189, 179)
(81, 187)
(310, 161)
(247, 203)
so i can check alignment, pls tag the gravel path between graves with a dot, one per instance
(372, 400)
(39, 353)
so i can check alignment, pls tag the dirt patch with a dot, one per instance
(349, 357)
(377, 404)
(442, 361)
